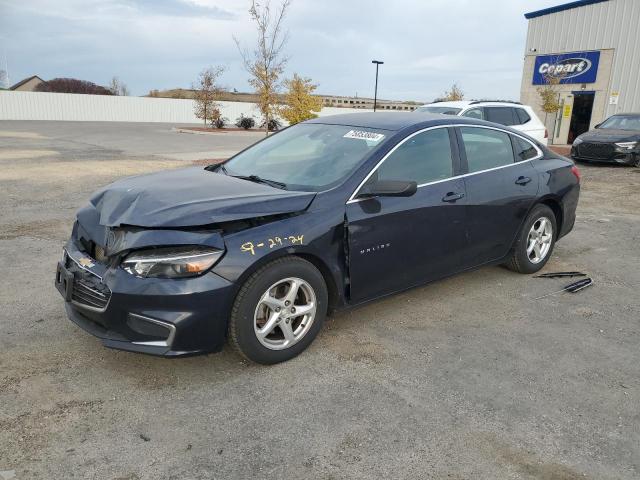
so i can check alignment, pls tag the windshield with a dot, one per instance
(445, 110)
(310, 156)
(622, 122)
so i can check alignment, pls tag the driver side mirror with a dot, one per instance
(388, 188)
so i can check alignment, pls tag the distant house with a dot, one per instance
(28, 84)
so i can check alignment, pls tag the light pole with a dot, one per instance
(375, 94)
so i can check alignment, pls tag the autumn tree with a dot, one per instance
(117, 87)
(265, 64)
(300, 103)
(206, 94)
(454, 94)
(548, 94)
(549, 91)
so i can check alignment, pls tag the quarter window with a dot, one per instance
(524, 150)
(523, 116)
(425, 157)
(501, 115)
(486, 148)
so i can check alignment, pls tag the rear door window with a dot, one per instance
(501, 115)
(486, 148)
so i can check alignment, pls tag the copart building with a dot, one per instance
(592, 50)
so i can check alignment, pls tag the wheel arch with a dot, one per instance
(332, 288)
(335, 298)
(555, 207)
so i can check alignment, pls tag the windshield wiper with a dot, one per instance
(266, 181)
(252, 178)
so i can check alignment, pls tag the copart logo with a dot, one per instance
(567, 68)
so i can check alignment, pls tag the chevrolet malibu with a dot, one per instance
(322, 216)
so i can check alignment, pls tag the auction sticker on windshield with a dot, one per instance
(364, 135)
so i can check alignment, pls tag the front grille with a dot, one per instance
(90, 295)
(88, 289)
(600, 151)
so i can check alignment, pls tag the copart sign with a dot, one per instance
(576, 67)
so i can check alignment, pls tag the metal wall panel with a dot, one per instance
(606, 25)
(106, 108)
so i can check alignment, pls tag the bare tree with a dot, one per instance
(266, 63)
(117, 87)
(207, 93)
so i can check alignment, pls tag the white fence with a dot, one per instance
(106, 108)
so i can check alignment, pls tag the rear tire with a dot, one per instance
(535, 242)
(279, 311)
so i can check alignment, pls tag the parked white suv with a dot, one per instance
(513, 114)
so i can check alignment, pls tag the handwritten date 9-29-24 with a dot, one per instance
(272, 242)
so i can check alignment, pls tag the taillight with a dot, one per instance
(576, 173)
(546, 133)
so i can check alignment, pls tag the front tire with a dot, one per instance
(279, 311)
(535, 241)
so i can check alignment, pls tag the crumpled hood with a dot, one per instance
(606, 135)
(191, 197)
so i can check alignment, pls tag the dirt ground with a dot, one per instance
(467, 378)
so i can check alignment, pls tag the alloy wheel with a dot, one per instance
(285, 313)
(539, 240)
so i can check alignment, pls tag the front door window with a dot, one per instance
(423, 158)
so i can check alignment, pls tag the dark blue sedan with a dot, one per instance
(324, 215)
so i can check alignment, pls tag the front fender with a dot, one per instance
(316, 236)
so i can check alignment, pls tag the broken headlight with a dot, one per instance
(173, 262)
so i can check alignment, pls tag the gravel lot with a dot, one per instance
(468, 378)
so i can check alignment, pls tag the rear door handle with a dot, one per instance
(452, 197)
(523, 180)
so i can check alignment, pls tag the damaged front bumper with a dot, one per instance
(158, 316)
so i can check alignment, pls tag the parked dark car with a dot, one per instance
(324, 215)
(616, 140)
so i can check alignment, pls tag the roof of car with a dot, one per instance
(466, 103)
(454, 104)
(386, 120)
(396, 121)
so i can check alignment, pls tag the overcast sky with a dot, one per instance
(426, 44)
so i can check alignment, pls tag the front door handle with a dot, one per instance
(522, 180)
(452, 197)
